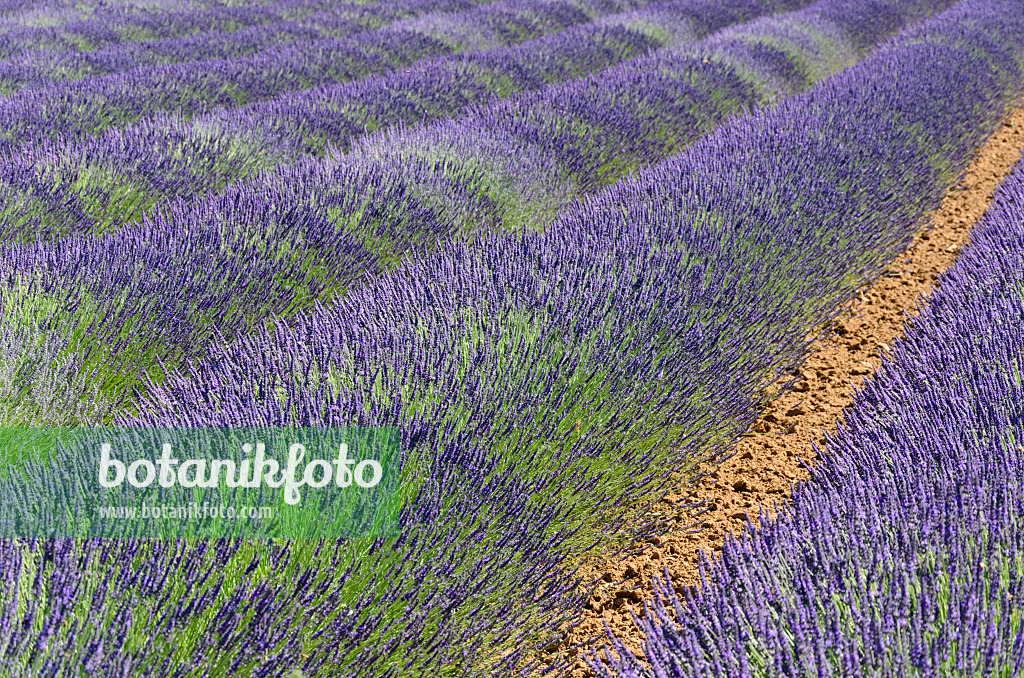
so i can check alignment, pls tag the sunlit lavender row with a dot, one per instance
(69, 109)
(309, 229)
(33, 57)
(71, 181)
(539, 347)
(46, 31)
(75, 183)
(543, 380)
(903, 555)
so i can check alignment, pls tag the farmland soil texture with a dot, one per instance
(763, 466)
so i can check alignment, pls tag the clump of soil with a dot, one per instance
(771, 457)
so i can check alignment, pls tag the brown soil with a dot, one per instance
(767, 460)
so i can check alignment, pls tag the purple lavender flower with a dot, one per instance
(901, 555)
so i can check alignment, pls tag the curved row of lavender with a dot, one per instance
(536, 349)
(105, 44)
(503, 165)
(902, 555)
(317, 119)
(543, 379)
(76, 27)
(70, 110)
(80, 183)
(497, 23)
(160, 292)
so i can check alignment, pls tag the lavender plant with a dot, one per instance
(45, 385)
(286, 245)
(453, 177)
(57, 32)
(37, 68)
(122, 172)
(674, 97)
(543, 380)
(86, 106)
(902, 555)
(163, 608)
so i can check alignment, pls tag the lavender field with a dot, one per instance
(566, 248)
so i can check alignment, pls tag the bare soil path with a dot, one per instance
(768, 460)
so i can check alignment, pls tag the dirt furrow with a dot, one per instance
(770, 458)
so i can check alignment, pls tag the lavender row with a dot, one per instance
(221, 586)
(665, 101)
(525, 158)
(68, 111)
(335, 116)
(35, 67)
(543, 379)
(667, 305)
(313, 120)
(901, 556)
(74, 29)
(165, 158)
(39, 67)
(175, 282)
(511, 164)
